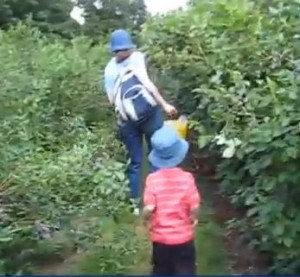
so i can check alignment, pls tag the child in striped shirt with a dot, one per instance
(171, 204)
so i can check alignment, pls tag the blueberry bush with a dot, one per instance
(239, 62)
(59, 158)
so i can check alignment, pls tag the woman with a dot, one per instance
(131, 131)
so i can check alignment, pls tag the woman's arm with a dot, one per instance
(109, 81)
(141, 72)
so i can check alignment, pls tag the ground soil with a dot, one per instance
(244, 260)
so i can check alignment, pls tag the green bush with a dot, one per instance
(58, 152)
(237, 60)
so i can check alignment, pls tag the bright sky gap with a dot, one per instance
(153, 6)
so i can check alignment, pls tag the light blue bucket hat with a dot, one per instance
(121, 40)
(168, 148)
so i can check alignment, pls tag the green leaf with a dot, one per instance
(269, 185)
(250, 200)
(278, 229)
(272, 85)
(6, 239)
(287, 242)
(203, 141)
(252, 211)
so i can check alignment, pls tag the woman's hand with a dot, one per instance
(170, 110)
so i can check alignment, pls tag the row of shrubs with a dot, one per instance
(235, 69)
(59, 159)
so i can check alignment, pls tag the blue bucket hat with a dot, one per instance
(120, 40)
(168, 148)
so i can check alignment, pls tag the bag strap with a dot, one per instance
(117, 88)
(119, 82)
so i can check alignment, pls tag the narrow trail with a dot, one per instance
(243, 259)
(219, 251)
(212, 256)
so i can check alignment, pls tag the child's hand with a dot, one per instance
(147, 223)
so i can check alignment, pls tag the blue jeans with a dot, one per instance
(131, 134)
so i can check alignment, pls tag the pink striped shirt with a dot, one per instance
(172, 193)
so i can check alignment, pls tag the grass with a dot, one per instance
(124, 248)
(211, 255)
(130, 255)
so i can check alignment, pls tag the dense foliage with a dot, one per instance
(238, 60)
(112, 15)
(53, 17)
(58, 152)
(60, 170)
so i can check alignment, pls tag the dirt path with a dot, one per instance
(219, 251)
(243, 259)
(212, 256)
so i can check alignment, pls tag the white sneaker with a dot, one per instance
(136, 211)
(135, 206)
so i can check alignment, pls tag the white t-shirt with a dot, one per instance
(135, 61)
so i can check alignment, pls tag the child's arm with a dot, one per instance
(194, 201)
(146, 213)
(148, 200)
(195, 215)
